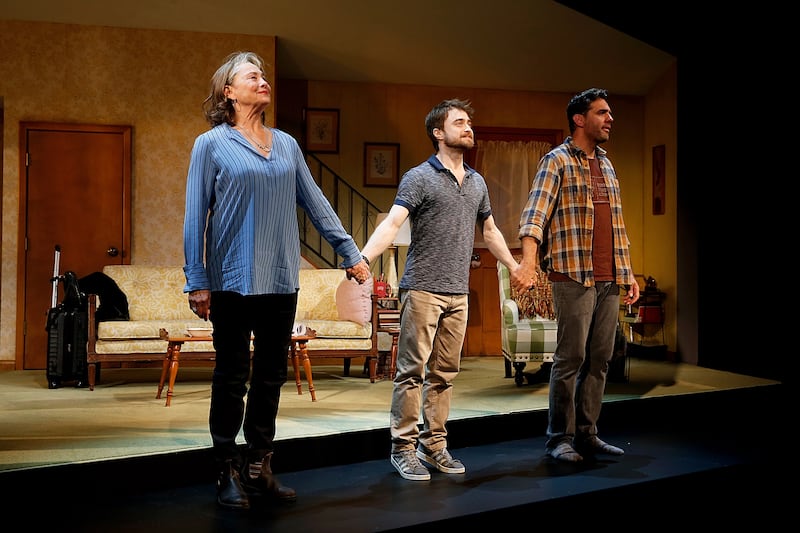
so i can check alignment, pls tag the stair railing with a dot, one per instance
(357, 213)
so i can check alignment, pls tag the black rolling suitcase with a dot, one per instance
(67, 332)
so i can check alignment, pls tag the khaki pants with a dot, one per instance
(432, 329)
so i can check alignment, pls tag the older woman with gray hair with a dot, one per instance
(242, 262)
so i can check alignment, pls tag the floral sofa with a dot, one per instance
(340, 311)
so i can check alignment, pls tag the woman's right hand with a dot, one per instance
(200, 303)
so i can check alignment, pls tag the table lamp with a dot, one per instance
(403, 238)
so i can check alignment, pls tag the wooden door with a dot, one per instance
(483, 327)
(75, 192)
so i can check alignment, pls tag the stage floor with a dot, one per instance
(695, 453)
(122, 418)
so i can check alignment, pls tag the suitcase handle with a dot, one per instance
(54, 279)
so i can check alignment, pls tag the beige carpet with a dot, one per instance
(121, 417)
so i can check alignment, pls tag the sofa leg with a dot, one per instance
(346, 366)
(373, 369)
(92, 375)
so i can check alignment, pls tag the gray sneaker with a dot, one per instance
(441, 459)
(409, 466)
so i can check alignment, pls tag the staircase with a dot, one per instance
(356, 212)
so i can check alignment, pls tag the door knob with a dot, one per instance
(112, 252)
(475, 260)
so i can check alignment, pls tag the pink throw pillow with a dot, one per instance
(354, 301)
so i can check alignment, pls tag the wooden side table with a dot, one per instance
(389, 322)
(299, 353)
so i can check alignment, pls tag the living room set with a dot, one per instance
(346, 318)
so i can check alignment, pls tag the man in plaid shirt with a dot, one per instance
(572, 228)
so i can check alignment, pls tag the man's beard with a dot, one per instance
(462, 143)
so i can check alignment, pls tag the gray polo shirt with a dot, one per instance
(443, 217)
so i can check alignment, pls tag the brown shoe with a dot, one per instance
(257, 478)
(230, 492)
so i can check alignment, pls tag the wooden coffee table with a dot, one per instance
(172, 359)
(298, 353)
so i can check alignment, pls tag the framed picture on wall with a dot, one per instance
(381, 164)
(322, 130)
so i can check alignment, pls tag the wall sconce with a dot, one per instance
(403, 238)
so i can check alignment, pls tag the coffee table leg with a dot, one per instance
(173, 371)
(165, 366)
(307, 368)
(296, 365)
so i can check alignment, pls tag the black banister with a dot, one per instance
(357, 213)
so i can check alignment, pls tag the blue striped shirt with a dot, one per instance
(240, 229)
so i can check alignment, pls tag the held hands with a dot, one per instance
(360, 271)
(522, 277)
(200, 303)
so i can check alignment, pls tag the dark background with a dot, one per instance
(733, 231)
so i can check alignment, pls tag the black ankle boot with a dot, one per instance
(230, 492)
(257, 477)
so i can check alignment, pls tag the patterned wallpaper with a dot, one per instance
(153, 80)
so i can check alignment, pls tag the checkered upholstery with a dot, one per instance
(523, 339)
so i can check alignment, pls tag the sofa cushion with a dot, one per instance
(145, 329)
(155, 346)
(338, 344)
(354, 301)
(340, 329)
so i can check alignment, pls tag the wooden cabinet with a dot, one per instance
(483, 325)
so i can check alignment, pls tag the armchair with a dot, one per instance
(526, 334)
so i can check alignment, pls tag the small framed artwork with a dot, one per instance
(381, 164)
(659, 178)
(322, 130)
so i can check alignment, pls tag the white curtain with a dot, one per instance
(509, 168)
